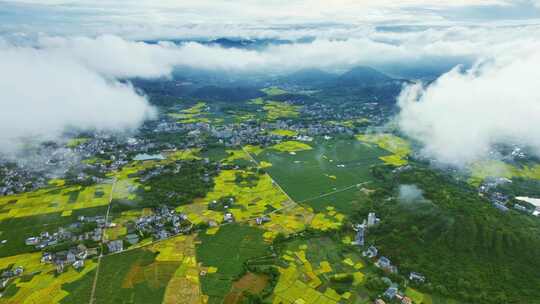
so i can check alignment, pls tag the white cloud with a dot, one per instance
(114, 57)
(52, 82)
(138, 19)
(461, 116)
(42, 94)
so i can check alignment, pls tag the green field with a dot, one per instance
(16, 230)
(227, 250)
(80, 290)
(133, 277)
(329, 166)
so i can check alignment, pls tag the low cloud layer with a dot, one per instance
(464, 114)
(113, 56)
(43, 93)
(50, 83)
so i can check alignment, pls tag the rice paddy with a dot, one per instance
(265, 164)
(164, 272)
(234, 155)
(250, 283)
(291, 146)
(273, 91)
(314, 272)
(257, 101)
(75, 142)
(256, 150)
(52, 200)
(236, 244)
(495, 168)
(195, 114)
(325, 175)
(249, 202)
(391, 143)
(42, 285)
(276, 110)
(186, 154)
(260, 196)
(417, 296)
(284, 133)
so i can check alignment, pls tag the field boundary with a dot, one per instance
(94, 284)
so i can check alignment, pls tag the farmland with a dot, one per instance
(239, 244)
(251, 202)
(329, 166)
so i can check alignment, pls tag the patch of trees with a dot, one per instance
(467, 249)
(178, 184)
(248, 179)
(222, 204)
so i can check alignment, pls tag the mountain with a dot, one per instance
(229, 94)
(252, 44)
(362, 76)
(310, 77)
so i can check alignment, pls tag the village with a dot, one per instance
(90, 156)
(66, 247)
(371, 253)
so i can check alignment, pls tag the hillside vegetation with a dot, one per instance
(467, 249)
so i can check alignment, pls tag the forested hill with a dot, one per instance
(468, 249)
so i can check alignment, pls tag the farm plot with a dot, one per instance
(309, 176)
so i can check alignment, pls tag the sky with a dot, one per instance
(144, 19)
(81, 50)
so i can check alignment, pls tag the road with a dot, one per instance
(94, 284)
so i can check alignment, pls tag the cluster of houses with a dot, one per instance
(360, 229)
(9, 274)
(325, 112)
(392, 293)
(118, 151)
(488, 189)
(500, 200)
(163, 224)
(74, 256)
(385, 264)
(257, 132)
(17, 179)
(71, 233)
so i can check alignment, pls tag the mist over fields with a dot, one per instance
(284, 151)
(53, 80)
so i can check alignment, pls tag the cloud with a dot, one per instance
(50, 83)
(139, 19)
(113, 56)
(410, 194)
(43, 93)
(464, 114)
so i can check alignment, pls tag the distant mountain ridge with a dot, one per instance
(310, 76)
(363, 75)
